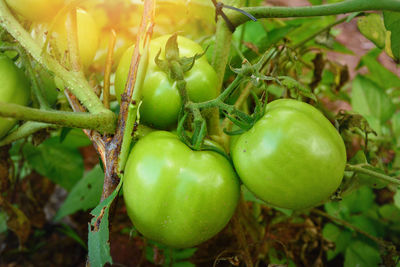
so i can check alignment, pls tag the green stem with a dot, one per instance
(217, 102)
(223, 37)
(373, 174)
(74, 81)
(23, 131)
(67, 119)
(343, 7)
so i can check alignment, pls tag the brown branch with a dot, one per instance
(113, 146)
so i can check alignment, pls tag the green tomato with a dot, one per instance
(14, 88)
(177, 196)
(161, 99)
(87, 33)
(36, 10)
(292, 158)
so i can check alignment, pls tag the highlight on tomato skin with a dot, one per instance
(292, 158)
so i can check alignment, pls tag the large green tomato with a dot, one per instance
(87, 34)
(36, 10)
(161, 99)
(292, 158)
(177, 196)
(14, 88)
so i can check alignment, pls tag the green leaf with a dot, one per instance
(358, 201)
(74, 138)
(390, 213)
(341, 238)
(361, 254)
(86, 194)
(58, 162)
(392, 24)
(379, 74)
(331, 232)
(366, 224)
(98, 238)
(372, 27)
(369, 99)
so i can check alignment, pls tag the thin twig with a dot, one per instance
(350, 226)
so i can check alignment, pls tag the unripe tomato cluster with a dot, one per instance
(291, 158)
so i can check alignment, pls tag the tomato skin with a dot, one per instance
(36, 10)
(177, 196)
(88, 37)
(161, 99)
(14, 88)
(292, 158)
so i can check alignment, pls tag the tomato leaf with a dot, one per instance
(98, 238)
(74, 138)
(392, 23)
(361, 254)
(357, 202)
(369, 99)
(379, 74)
(58, 162)
(390, 213)
(86, 194)
(372, 27)
(341, 238)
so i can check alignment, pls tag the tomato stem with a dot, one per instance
(67, 119)
(343, 7)
(25, 130)
(373, 174)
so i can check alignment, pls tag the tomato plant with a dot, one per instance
(36, 10)
(87, 35)
(14, 89)
(290, 207)
(292, 158)
(161, 99)
(177, 196)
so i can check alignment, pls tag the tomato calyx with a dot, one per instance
(174, 65)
